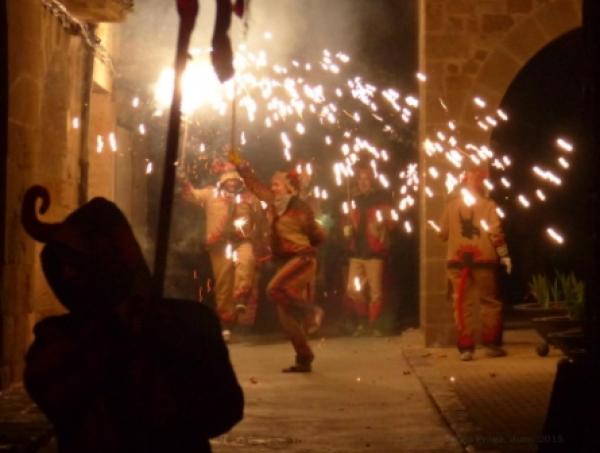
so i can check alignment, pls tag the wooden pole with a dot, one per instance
(188, 11)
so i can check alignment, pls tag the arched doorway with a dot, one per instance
(544, 101)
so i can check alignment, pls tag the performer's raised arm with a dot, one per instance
(253, 183)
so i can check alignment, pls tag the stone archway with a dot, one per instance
(470, 48)
(520, 44)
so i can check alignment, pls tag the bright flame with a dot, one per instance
(200, 86)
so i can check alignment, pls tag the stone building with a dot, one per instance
(63, 130)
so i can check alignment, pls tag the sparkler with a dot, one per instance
(286, 97)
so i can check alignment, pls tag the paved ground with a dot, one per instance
(383, 395)
(362, 396)
(491, 404)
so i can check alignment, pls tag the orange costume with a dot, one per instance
(230, 227)
(294, 237)
(475, 244)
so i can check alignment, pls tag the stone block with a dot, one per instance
(496, 23)
(481, 54)
(452, 68)
(434, 271)
(434, 15)
(456, 99)
(435, 112)
(525, 40)
(434, 246)
(472, 25)
(25, 48)
(519, 6)
(498, 71)
(447, 46)
(491, 6)
(455, 24)
(24, 100)
(559, 17)
(470, 67)
(461, 6)
(24, 144)
(458, 82)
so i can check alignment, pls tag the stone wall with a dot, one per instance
(45, 68)
(470, 48)
(46, 85)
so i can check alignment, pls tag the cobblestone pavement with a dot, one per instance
(491, 404)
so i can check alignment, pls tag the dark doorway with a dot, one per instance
(544, 101)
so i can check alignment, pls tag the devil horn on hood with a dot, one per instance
(38, 230)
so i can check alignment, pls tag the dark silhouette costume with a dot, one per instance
(123, 370)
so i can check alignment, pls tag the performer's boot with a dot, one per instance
(374, 313)
(362, 311)
(227, 325)
(303, 365)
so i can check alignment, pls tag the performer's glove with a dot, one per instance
(233, 155)
(507, 263)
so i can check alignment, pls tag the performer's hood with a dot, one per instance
(91, 259)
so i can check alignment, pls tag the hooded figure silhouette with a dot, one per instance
(123, 370)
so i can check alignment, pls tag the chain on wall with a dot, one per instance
(76, 27)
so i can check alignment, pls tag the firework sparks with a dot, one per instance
(564, 145)
(555, 236)
(289, 99)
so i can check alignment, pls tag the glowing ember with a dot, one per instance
(556, 237)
